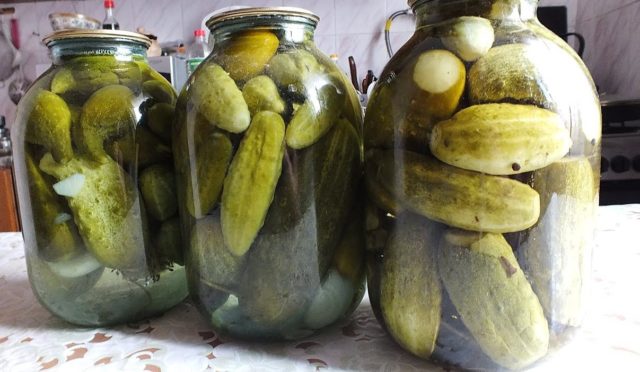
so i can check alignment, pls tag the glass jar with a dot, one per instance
(268, 152)
(482, 152)
(95, 182)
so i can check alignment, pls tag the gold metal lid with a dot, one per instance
(255, 12)
(96, 34)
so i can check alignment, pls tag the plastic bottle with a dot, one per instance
(110, 22)
(197, 51)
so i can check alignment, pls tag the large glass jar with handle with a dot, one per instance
(482, 153)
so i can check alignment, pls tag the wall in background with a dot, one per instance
(611, 30)
(347, 27)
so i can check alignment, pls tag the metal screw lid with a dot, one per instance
(258, 12)
(115, 35)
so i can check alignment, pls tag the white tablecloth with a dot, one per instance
(31, 339)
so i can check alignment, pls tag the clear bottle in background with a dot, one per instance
(110, 22)
(197, 51)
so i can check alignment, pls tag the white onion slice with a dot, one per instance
(70, 186)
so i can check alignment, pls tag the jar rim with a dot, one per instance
(135, 37)
(257, 12)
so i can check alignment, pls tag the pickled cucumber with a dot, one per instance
(58, 239)
(555, 252)
(159, 120)
(261, 94)
(168, 243)
(130, 76)
(348, 258)
(469, 37)
(454, 196)
(139, 149)
(501, 139)
(247, 54)
(380, 196)
(410, 293)
(320, 184)
(76, 85)
(89, 81)
(491, 293)
(439, 72)
(281, 276)
(210, 259)
(314, 118)
(107, 115)
(62, 81)
(294, 193)
(293, 68)
(86, 74)
(316, 177)
(251, 181)
(213, 154)
(106, 210)
(337, 175)
(379, 122)
(49, 125)
(76, 112)
(510, 73)
(158, 188)
(331, 301)
(94, 63)
(216, 97)
(160, 90)
(402, 112)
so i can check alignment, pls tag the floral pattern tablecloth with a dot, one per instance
(31, 339)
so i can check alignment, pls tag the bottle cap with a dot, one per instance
(109, 4)
(198, 32)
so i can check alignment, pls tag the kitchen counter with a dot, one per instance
(31, 339)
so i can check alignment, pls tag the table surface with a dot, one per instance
(31, 339)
